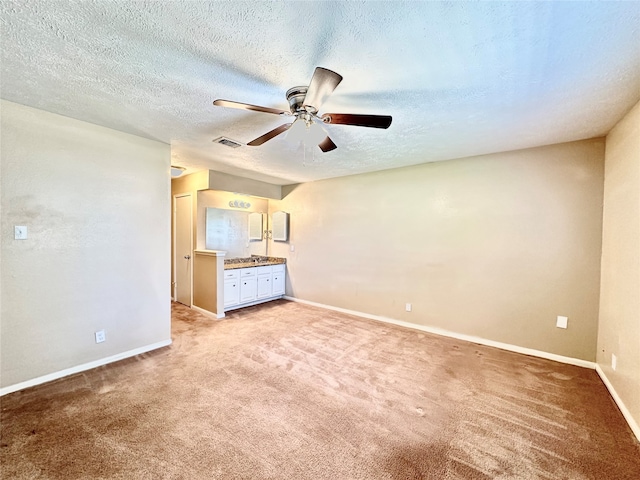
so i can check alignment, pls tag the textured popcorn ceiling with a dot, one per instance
(458, 78)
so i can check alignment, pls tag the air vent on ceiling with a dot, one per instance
(227, 142)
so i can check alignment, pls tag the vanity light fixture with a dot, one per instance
(239, 204)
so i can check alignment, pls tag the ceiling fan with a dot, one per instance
(304, 104)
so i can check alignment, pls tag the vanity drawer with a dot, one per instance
(231, 274)
(277, 268)
(264, 270)
(248, 272)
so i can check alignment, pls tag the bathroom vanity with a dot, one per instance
(223, 284)
(249, 281)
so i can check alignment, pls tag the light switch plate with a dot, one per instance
(20, 232)
(562, 322)
(614, 361)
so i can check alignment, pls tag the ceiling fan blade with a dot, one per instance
(323, 83)
(269, 135)
(327, 145)
(375, 121)
(246, 106)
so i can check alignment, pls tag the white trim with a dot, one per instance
(211, 253)
(446, 333)
(208, 313)
(81, 368)
(616, 398)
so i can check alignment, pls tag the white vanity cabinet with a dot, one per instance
(277, 281)
(264, 281)
(231, 288)
(252, 285)
(248, 285)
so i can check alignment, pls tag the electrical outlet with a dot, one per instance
(561, 322)
(407, 307)
(292, 248)
(614, 361)
(100, 336)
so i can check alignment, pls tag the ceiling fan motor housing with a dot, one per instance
(295, 97)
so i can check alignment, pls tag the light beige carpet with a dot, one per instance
(287, 391)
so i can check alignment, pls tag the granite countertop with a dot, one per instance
(253, 261)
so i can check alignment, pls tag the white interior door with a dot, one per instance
(183, 254)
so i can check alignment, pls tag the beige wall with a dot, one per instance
(190, 183)
(495, 246)
(619, 326)
(95, 202)
(208, 276)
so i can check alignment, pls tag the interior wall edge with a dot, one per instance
(82, 368)
(616, 398)
(618, 339)
(459, 336)
(207, 313)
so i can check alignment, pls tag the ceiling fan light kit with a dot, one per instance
(304, 104)
(305, 130)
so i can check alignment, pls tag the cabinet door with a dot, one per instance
(277, 280)
(264, 286)
(248, 289)
(231, 292)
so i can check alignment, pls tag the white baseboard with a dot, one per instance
(616, 398)
(446, 333)
(81, 368)
(208, 313)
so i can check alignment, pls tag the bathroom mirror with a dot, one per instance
(228, 230)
